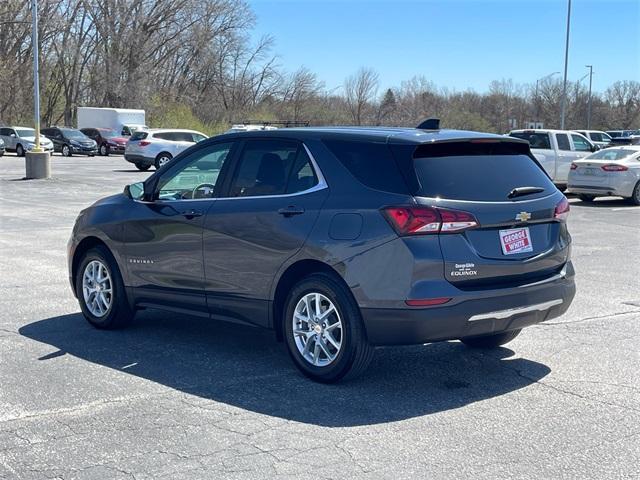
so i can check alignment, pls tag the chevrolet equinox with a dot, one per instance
(339, 239)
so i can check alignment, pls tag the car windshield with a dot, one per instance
(108, 133)
(25, 132)
(72, 134)
(610, 154)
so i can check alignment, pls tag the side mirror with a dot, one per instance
(595, 148)
(135, 191)
(13, 135)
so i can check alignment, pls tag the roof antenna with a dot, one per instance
(430, 124)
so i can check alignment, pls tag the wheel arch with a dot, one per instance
(164, 152)
(83, 247)
(292, 275)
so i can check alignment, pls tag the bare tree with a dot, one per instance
(360, 90)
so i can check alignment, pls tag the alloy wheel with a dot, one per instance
(318, 329)
(97, 288)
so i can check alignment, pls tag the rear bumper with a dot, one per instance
(484, 313)
(624, 190)
(139, 159)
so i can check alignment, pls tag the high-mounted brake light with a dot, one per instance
(144, 143)
(484, 140)
(562, 210)
(614, 168)
(573, 166)
(410, 220)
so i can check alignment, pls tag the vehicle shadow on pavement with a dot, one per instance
(605, 203)
(246, 368)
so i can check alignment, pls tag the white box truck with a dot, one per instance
(125, 121)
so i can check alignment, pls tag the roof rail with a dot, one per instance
(278, 123)
(430, 124)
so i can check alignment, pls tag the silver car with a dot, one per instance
(23, 139)
(612, 171)
(158, 146)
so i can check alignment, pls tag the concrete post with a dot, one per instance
(38, 165)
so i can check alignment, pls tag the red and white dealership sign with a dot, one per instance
(515, 240)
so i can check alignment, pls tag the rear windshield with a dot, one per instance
(477, 172)
(138, 136)
(535, 139)
(609, 154)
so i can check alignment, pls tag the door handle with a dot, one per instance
(290, 211)
(191, 214)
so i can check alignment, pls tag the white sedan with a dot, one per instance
(612, 171)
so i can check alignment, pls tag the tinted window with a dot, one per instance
(580, 144)
(197, 137)
(139, 136)
(563, 141)
(371, 163)
(302, 176)
(535, 139)
(480, 172)
(183, 137)
(264, 168)
(198, 177)
(162, 136)
(5, 131)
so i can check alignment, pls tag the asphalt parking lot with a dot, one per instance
(181, 397)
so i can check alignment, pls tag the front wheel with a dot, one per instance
(100, 290)
(586, 198)
(20, 151)
(104, 150)
(66, 150)
(635, 196)
(162, 160)
(323, 330)
(491, 341)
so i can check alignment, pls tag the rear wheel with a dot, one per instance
(323, 330)
(20, 151)
(100, 290)
(586, 198)
(142, 166)
(491, 341)
(635, 196)
(162, 159)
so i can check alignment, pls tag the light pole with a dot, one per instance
(563, 104)
(536, 94)
(37, 162)
(590, 67)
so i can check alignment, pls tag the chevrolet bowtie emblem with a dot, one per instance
(523, 216)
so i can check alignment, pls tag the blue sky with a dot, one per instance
(460, 44)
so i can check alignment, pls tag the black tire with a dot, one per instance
(119, 314)
(142, 167)
(635, 196)
(66, 151)
(586, 198)
(491, 341)
(104, 150)
(355, 352)
(19, 150)
(162, 159)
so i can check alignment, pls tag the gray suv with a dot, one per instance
(339, 239)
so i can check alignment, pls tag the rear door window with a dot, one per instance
(477, 172)
(563, 141)
(371, 163)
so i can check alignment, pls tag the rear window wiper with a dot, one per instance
(521, 191)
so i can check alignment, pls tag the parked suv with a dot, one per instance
(157, 146)
(597, 137)
(108, 140)
(23, 139)
(340, 239)
(69, 141)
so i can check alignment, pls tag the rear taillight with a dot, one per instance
(614, 168)
(144, 143)
(427, 302)
(409, 220)
(562, 210)
(574, 166)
